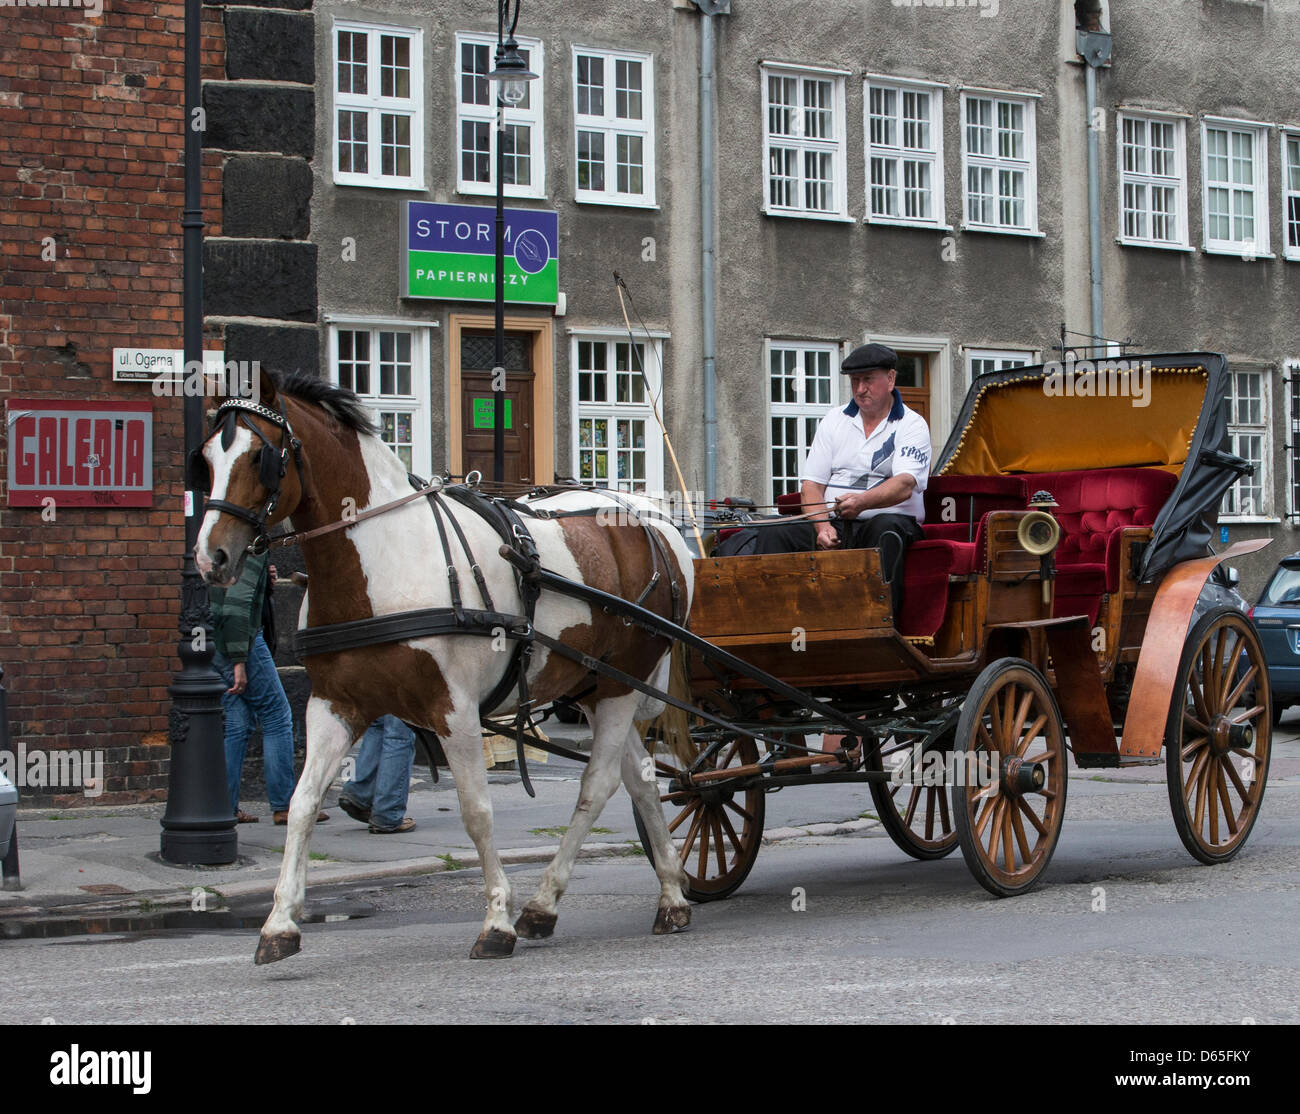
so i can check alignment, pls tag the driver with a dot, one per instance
(869, 464)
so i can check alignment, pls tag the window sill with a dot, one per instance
(596, 199)
(1154, 244)
(1032, 234)
(791, 214)
(925, 226)
(1292, 255)
(1237, 253)
(378, 183)
(511, 193)
(1249, 520)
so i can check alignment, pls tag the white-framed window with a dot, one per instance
(614, 127)
(803, 382)
(980, 361)
(1291, 194)
(378, 106)
(476, 122)
(1292, 431)
(1234, 168)
(616, 442)
(803, 142)
(387, 365)
(904, 143)
(1249, 435)
(999, 162)
(1152, 181)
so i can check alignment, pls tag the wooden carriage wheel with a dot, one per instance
(916, 816)
(1009, 777)
(718, 828)
(1219, 736)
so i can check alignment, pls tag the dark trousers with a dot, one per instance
(890, 533)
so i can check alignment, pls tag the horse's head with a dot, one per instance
(254, 465)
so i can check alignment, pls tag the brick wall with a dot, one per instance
(91, 111)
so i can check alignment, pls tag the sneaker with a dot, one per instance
(357, 811)
(407, 825)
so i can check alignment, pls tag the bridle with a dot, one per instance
(272, 466)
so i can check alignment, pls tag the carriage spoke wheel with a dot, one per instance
(717, 828)
(1219, 736)
(916, 816)
(1010, 777)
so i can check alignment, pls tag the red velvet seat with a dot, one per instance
(1094, 507)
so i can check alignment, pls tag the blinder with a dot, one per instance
(272, 461)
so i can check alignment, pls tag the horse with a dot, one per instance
(308, 453)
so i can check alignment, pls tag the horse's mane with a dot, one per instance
(338, 401)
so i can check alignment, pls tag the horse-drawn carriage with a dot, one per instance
(1025, 633)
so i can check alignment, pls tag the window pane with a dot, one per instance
(394, 66)
(517, 146)
(629, 163)
(476, 151)
(591, 85)
(352, 62)
(591, 160)
(354, 153)
(628, 90)
(474, 71)
(395, 145)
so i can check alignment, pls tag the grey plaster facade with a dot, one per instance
(943, 290)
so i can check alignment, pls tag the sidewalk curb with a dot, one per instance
(169, 899)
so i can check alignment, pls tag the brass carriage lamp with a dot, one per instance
(1039, 534)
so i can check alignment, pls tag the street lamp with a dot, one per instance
(198, 824)
(512, 75)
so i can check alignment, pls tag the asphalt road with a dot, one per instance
(1125, 928)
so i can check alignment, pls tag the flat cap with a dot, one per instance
(868, 357)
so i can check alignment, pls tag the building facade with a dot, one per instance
(912, 173)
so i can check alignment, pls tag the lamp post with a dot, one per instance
(511, 75)
(198, 825)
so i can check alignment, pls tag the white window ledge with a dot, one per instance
(1249, 520)
(609, 203)
(791, 214)
(1151, 244)
(1239, 253)
(1004, 231)
(924, 226)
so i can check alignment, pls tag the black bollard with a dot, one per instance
(12, 880)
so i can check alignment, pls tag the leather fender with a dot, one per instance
(1162, 649)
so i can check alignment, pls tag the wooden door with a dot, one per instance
(913, 381)
(477, 350)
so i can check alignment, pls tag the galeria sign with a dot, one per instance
(81, 454)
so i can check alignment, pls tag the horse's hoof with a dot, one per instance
(671, 919)
(271, 949)
(533, 924)
(493, 944)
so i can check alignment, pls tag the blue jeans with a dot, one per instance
(262, 700)
(382, 778)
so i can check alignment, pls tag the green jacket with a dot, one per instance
(237, 611)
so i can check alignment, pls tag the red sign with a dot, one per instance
(80, 454)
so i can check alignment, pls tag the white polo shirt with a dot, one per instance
(846, 460)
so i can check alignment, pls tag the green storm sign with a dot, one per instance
(449, 252)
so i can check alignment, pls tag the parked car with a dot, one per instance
(8, 810)
(1277, 618)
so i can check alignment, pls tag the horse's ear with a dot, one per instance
(264, 388)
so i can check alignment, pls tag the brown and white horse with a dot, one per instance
(392, 563)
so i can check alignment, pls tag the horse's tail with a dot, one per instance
(672, 726)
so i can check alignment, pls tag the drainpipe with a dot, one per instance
(1095, 47)
(708, 260)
